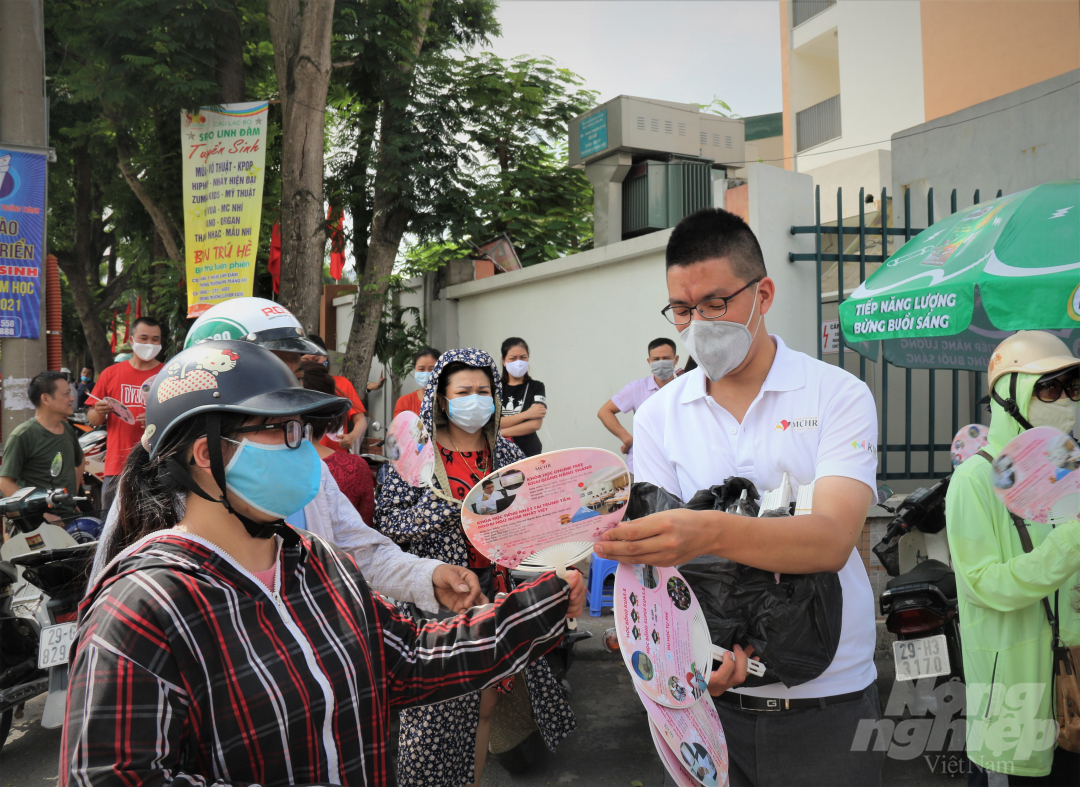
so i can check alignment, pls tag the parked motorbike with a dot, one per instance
(92, 442)
(919, 603)
(34, 651)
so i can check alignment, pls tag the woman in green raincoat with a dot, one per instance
(1006, 637)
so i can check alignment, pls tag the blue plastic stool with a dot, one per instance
(601, 594)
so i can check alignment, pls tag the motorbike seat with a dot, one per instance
(931, 571)
(9, 574)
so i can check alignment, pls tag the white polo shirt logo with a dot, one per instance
(797, 425)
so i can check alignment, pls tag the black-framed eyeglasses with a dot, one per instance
(296, 432)
(709, 309)
(1050, 390)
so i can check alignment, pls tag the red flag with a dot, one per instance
(273, 264)
(337, 243)
(127, 323)
(138, 307)
(112, 345)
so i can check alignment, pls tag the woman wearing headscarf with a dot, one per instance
(1007, 586)
(446, 745)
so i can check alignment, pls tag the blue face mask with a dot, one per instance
(275, 479)
(471, 412)
(421, 378)
(84, 378)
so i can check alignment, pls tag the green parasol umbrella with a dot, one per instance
(1019, 255)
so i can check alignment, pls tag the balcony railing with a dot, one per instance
(807, 9)
(817, 124)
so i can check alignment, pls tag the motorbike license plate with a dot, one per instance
(54, 645)
(921, 658)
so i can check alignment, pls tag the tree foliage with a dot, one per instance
(446, 147)
(119, 73)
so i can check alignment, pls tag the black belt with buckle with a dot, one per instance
(773, 704)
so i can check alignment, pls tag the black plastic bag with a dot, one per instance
(793, 624)
(648, 499)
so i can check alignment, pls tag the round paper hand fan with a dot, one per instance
(967, 442)
(663, 636)
(410, 450)
(1037, 476)
(545, 512)
(695, 735)
(670, 759)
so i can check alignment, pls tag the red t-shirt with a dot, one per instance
(410, 401)
(347, 390)
(122, 382)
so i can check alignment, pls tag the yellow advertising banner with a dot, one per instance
(224, 167)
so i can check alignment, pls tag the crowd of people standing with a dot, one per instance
(239, 526)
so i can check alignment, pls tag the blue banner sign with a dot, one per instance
(592, 134)
(22, 242)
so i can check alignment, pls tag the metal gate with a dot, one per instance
(923, 453)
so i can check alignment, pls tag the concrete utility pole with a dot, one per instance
(22, 123)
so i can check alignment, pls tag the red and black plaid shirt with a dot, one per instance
(189, 671)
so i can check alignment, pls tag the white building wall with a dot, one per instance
(879, 47)
(589, 318)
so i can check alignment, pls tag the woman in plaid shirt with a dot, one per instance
(229, 648)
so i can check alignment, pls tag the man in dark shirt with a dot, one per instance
(45, 451)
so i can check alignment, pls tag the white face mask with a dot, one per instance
(1060, 414)
(146, 352)
(718, 345)
(518, 368)
(662, 369)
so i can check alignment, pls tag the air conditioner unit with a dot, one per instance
(657, 195)
(643, 126)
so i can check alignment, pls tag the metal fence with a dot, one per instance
(817, 124)
(923, 452)
(801, 10)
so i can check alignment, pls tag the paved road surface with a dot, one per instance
(611, 747)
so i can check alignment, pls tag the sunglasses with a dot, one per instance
(295, 431)
(1050, 390)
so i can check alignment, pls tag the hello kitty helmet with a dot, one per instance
(228, 376)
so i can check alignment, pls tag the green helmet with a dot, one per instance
(255, 320)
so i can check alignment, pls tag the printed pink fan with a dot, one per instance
(118, 407)
(967, 442)
(670, 760)
(410, 449)
(545, 512)
(1037, 476)
(695, 736)
(663, 636)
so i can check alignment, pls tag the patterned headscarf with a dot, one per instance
(431, 415)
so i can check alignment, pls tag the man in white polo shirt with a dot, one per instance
(754, 408)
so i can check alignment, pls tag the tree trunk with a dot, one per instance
(230, 60)
(84, 261)
(301, 39)
(162, 223)
(390, 220)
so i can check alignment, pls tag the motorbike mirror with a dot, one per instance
(883, 494)
(375, 426)
(57, 465)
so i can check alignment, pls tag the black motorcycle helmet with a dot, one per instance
(215, 377)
